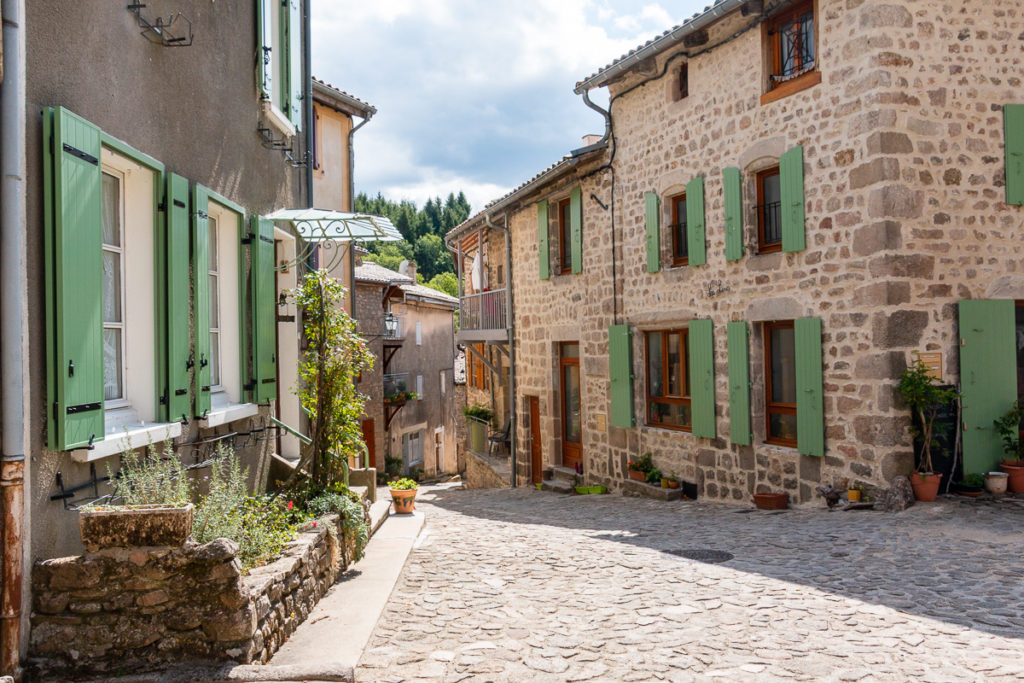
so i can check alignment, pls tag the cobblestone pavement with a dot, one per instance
(520, 585)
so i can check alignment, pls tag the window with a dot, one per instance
(769, 211)
(564, 236)
(225, 381)
(214, 276)
(444, 383)
(668, 380)
(419, 387)
(419, 333)
(792, 57)
(780, 383)
(280, 71)
(684, 81)
(412, 448)
(113, 289)
(678, 228)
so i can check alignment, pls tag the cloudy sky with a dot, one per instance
(474, 95)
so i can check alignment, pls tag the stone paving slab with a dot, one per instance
(523, 585)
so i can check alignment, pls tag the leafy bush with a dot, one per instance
(642, 464)
(151, 478)
(1008, 428)
(259, 524)
(654, 476)
(479, 411)
(404, 484)
(924, 397)
(349, 508)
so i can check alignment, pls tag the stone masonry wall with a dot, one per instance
(903, 178)
(122, 609)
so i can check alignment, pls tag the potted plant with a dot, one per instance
(924, 397)
(972, 486)
(1008, 427)
(670, 482)
(149, 505)
(479, 416)
(403, 494)
(654, 477)
(639, 468)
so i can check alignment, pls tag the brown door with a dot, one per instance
(438, 452)
(572, 452)
(371, 445)
(536, 453)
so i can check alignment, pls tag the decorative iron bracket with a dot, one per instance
(167, 32)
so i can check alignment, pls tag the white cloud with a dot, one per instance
(438, 183)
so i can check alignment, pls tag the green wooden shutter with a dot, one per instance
(695, 222)
(702, 376)
(1013, 132)
(733, 214)
(737, 337)
(988, 378)
(295, 91)
(576, 228)
(178, 343)
(652, 207)
(620, 359)
(791, 178)
(543, 238)
(265, 47)
(264, 310)
(73, 240)
(810, 417)
(201, 296)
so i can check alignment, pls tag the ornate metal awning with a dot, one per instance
(325, 228)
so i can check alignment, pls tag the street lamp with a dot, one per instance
(391, 324)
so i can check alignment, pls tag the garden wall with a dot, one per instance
(122, 609)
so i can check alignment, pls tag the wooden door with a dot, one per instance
(536, 452)
(572, 426)
(438, 452)
(369, 431)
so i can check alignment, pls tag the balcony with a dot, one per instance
(483, 316)
(394, 329)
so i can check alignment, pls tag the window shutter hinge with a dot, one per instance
(247, 239)
(202, 214)
(162, 206)
(250, 385)
(55, 404)
(163, 398)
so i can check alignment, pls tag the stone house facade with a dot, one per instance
(774, 231)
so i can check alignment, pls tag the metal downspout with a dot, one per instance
(606, 114)
(13, 313)
(307, 97)
(511, 344)
(352, 207)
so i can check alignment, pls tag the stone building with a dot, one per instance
(792, 201)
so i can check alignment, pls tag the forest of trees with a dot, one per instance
(424, 231)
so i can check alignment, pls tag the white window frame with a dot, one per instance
(419, 333)
(274, 20)
(214, 271)
(122, 400)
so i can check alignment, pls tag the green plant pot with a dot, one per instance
(477, 437)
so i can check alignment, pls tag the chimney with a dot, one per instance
(408, 268)
(591, 139)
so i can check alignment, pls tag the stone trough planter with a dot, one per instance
(136, 526)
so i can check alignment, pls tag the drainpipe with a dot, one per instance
(606, 114)
(511, 342)
(13, 313)
(352, 207)
(307, 100)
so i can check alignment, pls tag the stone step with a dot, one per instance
(566, 474)
(639, 489)
(556, 485)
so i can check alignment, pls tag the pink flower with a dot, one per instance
(290, 505)
(314, 525)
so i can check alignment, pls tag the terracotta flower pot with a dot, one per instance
(669, 483)
(1015, 470)
(637, 475)
(771, 501)
(404, 501)
(853, 495)
(926, 486)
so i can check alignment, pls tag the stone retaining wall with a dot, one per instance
(120, 609)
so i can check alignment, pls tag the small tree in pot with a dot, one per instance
(1008, 427)
(924, 398)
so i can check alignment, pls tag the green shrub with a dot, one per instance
(654, 476)
(404, 484)
(478, 411)
(259, 524)
(1008, 428)
(150, 478)
(349, 507)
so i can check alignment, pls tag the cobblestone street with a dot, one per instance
(520, 585)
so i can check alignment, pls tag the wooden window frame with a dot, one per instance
(772, 407)
(773, 37)
(676, 219)
(764, 247)
(684, 369)
(565, 236)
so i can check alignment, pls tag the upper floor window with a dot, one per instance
(280, 68)
(769, 211)
(565, 236)
(668, 380)
(684, 81)
(113, 287)
(680, 255)
(792, 51)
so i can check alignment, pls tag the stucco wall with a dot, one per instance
(193, 108)
(434, 409)
(903, 178)
(370, 317)
(330, 181)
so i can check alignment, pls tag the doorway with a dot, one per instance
(569, 366)
(536, 453)
(370, 441)
(439, 450)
